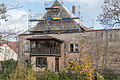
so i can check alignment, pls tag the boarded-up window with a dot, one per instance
(41, 61)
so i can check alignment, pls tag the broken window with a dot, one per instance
(74, 47)
(71, 47)
(41, 62)
(27, 47)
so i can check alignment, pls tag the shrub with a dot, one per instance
(8, 66)
(50, 75)
(22, 73)
(84, 68)
(63, 75)
(99, 77)
(111, 76)
(39, 76)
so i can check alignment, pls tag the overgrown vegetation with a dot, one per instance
(83, 70)
(8, 66)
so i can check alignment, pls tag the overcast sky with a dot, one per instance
(90, 9)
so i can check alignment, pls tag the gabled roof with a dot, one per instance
(12, 45)
(58, 25)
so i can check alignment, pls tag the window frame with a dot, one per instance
(41, 61)
(71, 49)
(27, 47)
(75, 48)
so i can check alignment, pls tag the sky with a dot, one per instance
(18, 18)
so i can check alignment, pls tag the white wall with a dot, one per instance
(7, 53)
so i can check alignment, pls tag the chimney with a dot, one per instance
(73, 9)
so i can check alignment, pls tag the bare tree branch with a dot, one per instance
(110, 17)
(5, 7)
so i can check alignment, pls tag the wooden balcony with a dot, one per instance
(44, 45)
(45, 52)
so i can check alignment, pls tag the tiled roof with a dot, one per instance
(70, 24)
(12, 45)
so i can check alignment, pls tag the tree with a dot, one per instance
(10, 33)
(110, 16)
(84, 67)
(4, 8)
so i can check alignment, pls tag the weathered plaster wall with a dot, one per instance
(50, 60)
(102, 45)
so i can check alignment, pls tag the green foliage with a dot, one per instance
(111, 77)
(53, 76)
(118, 78)
(50, 75)
(8, 66)
(39, 76)
(22, 73)
(99, 77)
(63, 75)
(14, 71)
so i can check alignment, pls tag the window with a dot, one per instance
(71, 47)
(74, 47)
(27, 47)
(41, 62)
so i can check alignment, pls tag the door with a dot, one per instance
(56, 64)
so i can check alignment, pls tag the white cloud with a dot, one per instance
(16, 19)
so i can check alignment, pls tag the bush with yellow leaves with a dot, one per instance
(84, 67)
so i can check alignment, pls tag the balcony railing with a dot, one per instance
(45, 52)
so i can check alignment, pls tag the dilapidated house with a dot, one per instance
(57, 38)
